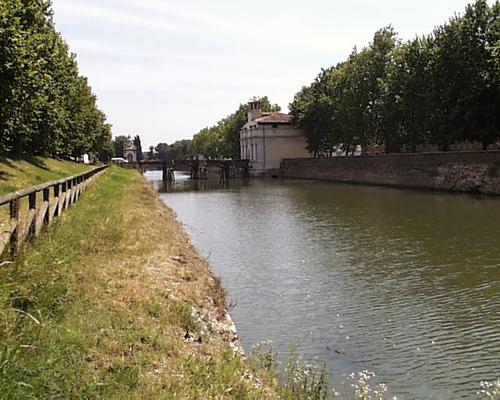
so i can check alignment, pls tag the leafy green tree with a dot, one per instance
(405, 110)
(162, 151)
(138, 145)
(343, 106)
(478, 40)
(176, 151)
(313, 113)
(438, 89)
(465, 90)
(106, 152)
(118, 143)
(23, 102)
(367, 71)
(46, 107)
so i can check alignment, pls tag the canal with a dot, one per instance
(402, 283)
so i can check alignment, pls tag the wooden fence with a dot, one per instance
(45, 202)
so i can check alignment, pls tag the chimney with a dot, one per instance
(254, 109)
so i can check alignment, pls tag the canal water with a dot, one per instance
(402, 283)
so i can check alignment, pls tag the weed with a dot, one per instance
(490, 390)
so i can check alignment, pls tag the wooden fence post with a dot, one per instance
(47, 219)
(69, 193)
(57, 199)
(75, 194)
(80, 185)
(64, 199)
(31, 215)
(14, 219)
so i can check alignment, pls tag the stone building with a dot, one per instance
(269, 137)
(130, 151)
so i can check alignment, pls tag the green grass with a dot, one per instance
(18, 174)
(97, 308)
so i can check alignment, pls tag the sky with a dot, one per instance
(164, 69)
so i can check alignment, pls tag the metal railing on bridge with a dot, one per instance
(197, 168)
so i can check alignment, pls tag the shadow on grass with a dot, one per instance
(4, 176)
(8, 162)
(37, 162)
(11, 161)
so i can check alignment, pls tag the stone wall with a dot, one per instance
(472, 172)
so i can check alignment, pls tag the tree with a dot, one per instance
(405, 111)
(312, 111)
(176, 151)
(118, 143)
(438, 89)
(367, 71)
(138, 146)
(465, 88)
(343, 106)
(478, 41)
(46, 107)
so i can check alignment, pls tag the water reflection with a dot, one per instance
(183, 183)
(403, 283)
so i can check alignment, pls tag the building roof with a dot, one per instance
(274, 118)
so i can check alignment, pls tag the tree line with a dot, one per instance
(179, 150)
(437, 89)
(162, 151)
(223, 139)
(46, 107)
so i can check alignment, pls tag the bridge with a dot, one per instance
(198, 169)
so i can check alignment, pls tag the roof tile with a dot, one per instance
(275, 118)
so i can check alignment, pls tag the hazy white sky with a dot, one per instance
(164, 69)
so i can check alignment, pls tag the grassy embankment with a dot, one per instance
(113, 302)
(20, 174)
(15, 175)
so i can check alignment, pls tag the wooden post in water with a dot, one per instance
(204, 170)
(224, 174)
(164, 173)
(195, 170)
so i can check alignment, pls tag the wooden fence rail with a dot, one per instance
(56, 197)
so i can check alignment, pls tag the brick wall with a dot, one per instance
(473, 172)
